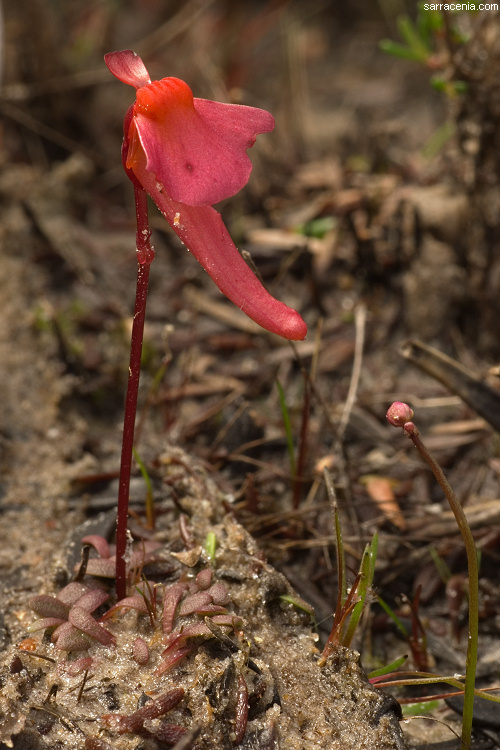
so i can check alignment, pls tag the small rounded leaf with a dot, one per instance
(49, 606)
(83, 620)
(140, 651)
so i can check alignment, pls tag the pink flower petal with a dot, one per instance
(203, 232)
(128, 67)
(196, 148)
(188, 154)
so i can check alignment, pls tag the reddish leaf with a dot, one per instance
(151, 710)
(84, 621)
(99, 543)
(219, 593)
(102, 567)
(171, 599)
(47, 622)
(204, 578)
(194, 603)
(78, 666)
(140, 651)
(233, 621)
(68, 638)
(92, 599)
(130, 602)
(240, 721)
(49, 606)
(72, 592)
(170, 734)
(171, 657)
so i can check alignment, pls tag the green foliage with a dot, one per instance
(298, 603)
(423, 707)
(388, 668)
(210, 546)
(418, 37)
(450, 88)
(317, 228)
(288, 428)
(438, 139)
(389, 611)
(150, 503)
(441, 567)
(428, 41)
(350, 604)
(367, 571)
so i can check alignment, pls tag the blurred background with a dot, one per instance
(316, 65)
(372, 208)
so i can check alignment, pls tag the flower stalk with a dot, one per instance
(186, 154)
(400, 415)
(145, 256)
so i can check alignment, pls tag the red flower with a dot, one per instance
(187, 154)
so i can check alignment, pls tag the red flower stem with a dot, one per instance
(470, 548)
(145, 256)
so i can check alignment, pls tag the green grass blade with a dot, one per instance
(398, 50)
(210, 547)
(150, 503)
(389, 667)
(410, 35)
(367, 570)
(288, 428)
(389, 611)
(441, 567)
(342, 583)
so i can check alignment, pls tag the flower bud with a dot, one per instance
(399, 413)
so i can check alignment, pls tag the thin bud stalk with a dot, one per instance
(399, 415)
(470, 548)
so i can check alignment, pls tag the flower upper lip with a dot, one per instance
(196, 148)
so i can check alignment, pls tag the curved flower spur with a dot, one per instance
(187, 154)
